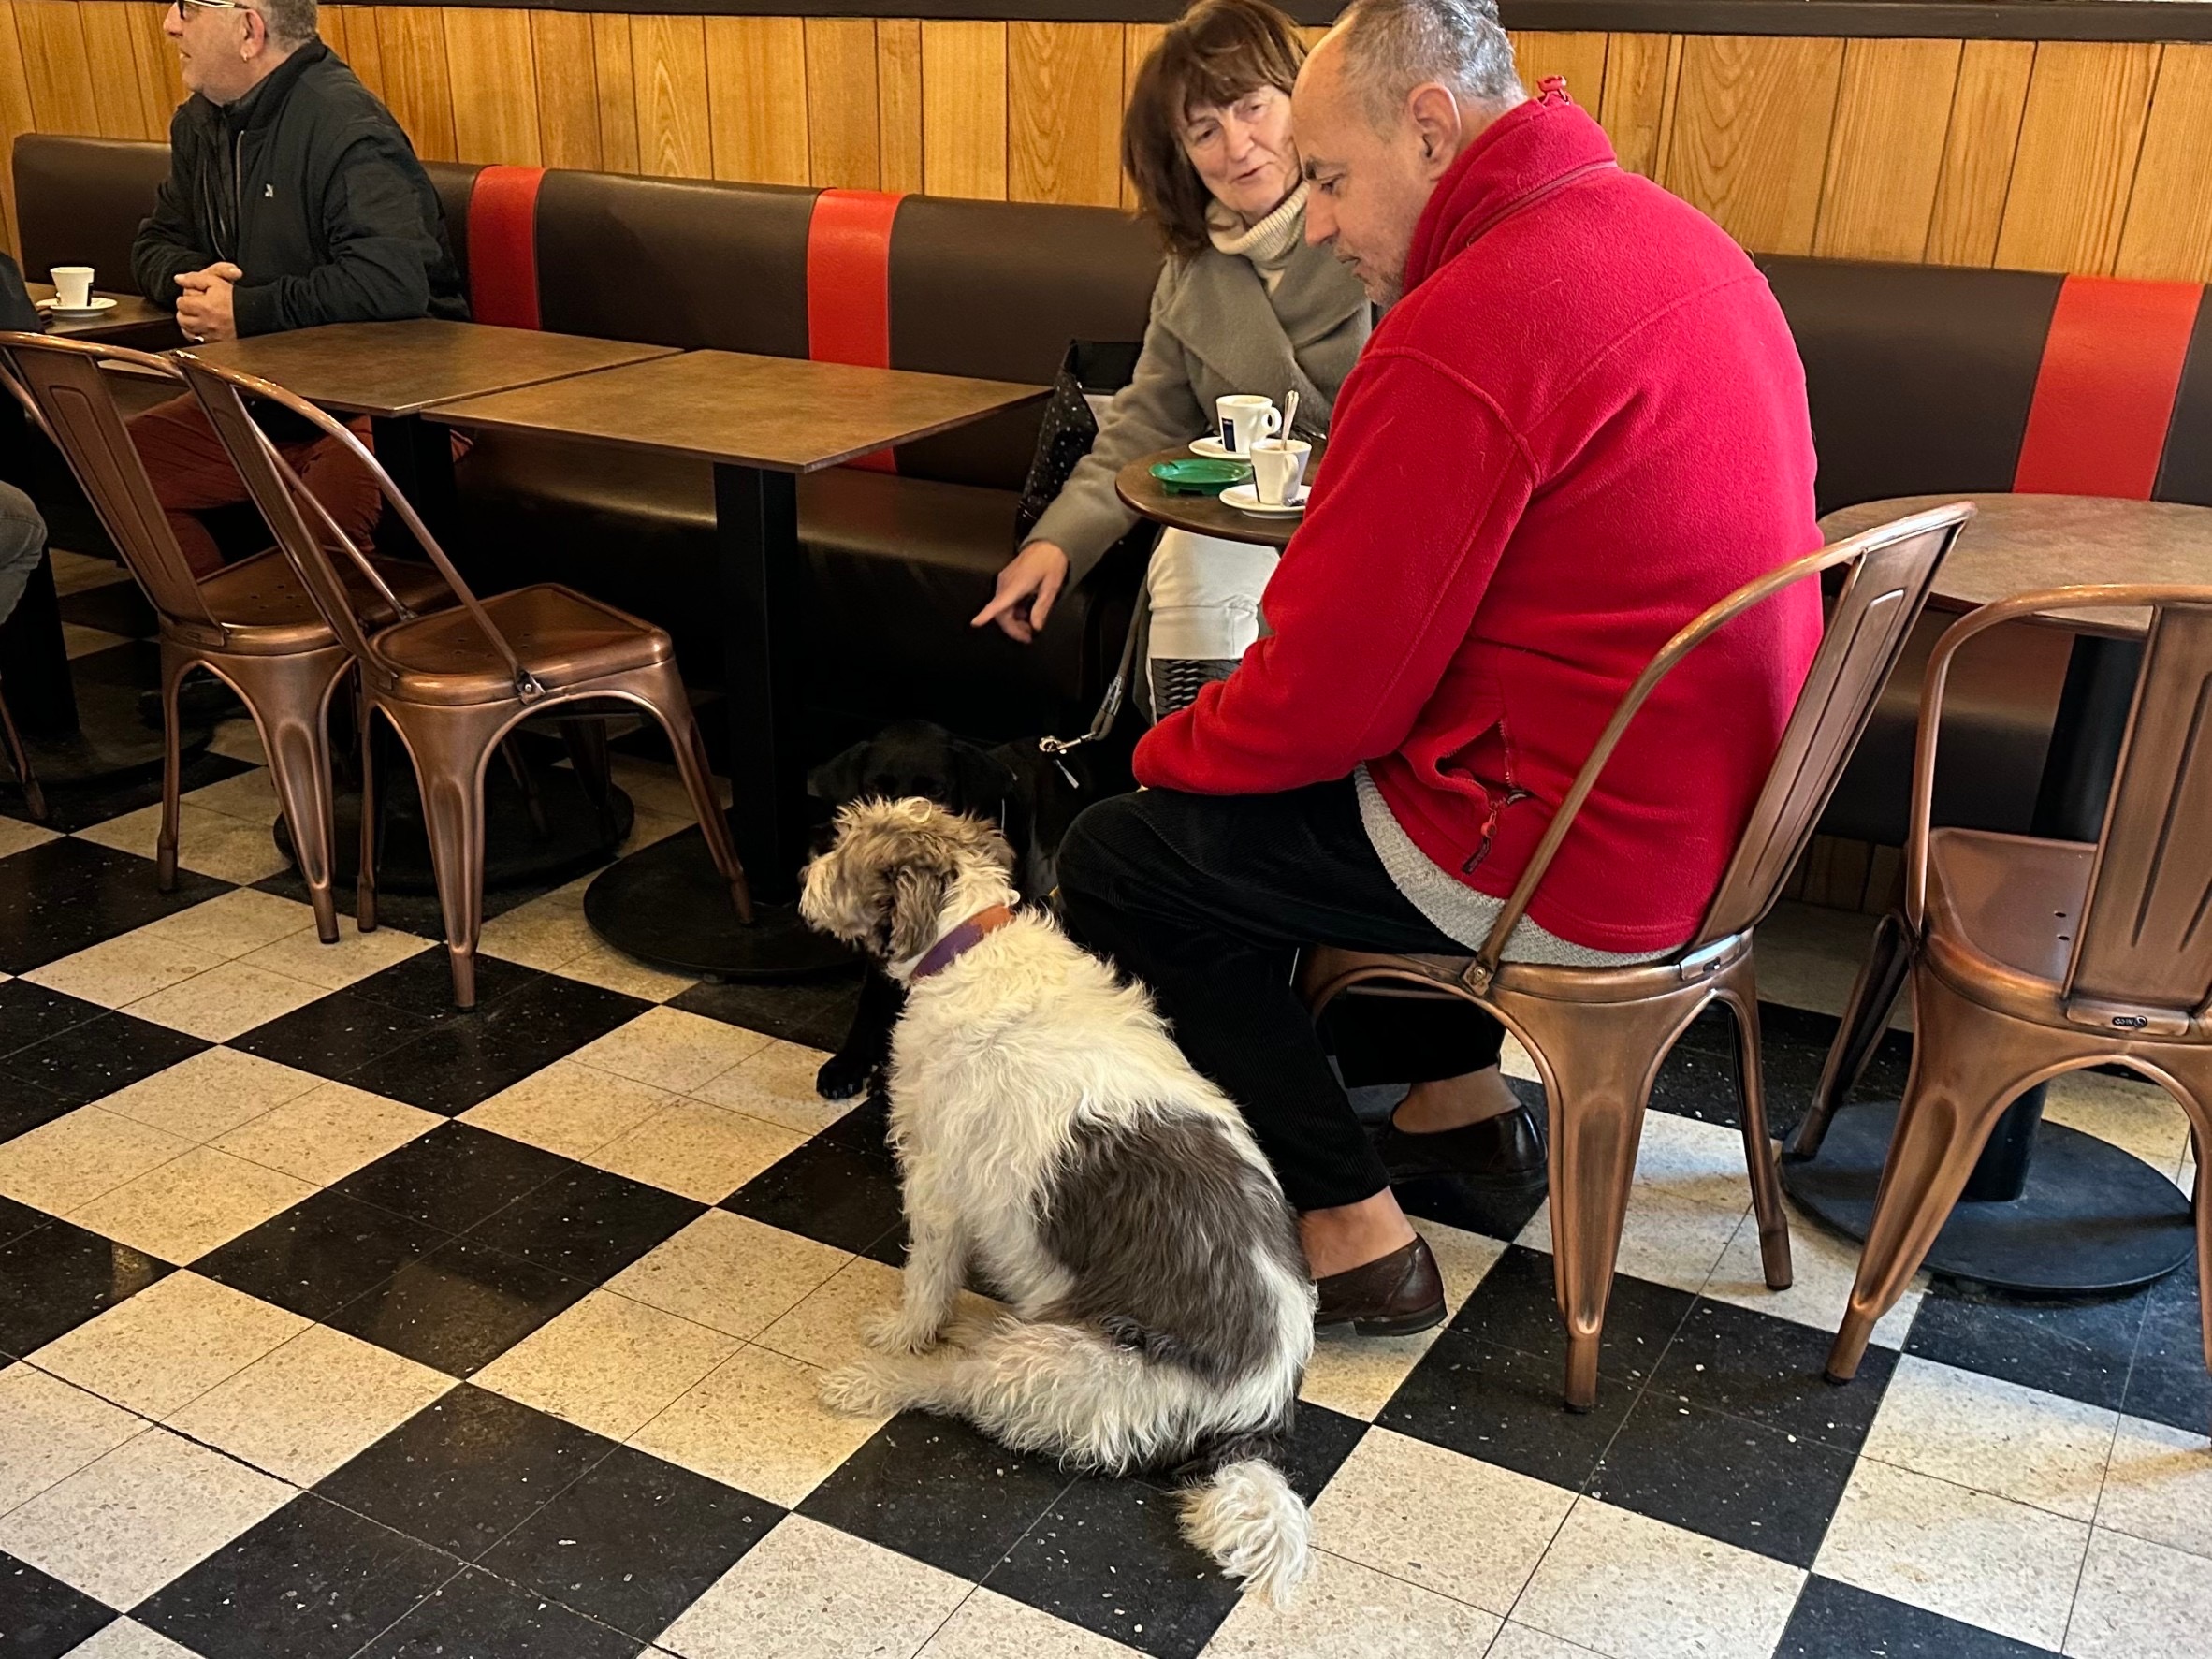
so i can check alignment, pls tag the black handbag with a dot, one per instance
(1090, 369)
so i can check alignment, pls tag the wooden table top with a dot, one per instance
(783, 415)
(393, 369)
(2017, 544)
(1201, 515)
(131, 314)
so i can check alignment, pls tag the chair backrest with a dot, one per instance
(2142, 955)
(65, 383)
(1892, 567)
(1887, 583)
(2145, 935)
(315, 548)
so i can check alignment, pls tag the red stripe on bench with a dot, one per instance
(849, 285)
(2104, 393)
(503, 246)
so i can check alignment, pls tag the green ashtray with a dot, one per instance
(1200, 475)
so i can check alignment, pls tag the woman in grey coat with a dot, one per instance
(1243, 305)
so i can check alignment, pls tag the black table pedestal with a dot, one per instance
(2048, 1210)
(667, 904)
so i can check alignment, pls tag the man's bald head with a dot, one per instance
(1383, 108)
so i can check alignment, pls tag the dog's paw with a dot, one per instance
(844, 1077)
(892, 1333)
(867, 1388)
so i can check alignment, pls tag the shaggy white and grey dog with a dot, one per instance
(1049, 1131)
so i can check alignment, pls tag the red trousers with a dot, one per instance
(191, 474)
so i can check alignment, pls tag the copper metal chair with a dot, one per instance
(2030, 957)
(251, 623)
(453, 685)
(1598, 1035)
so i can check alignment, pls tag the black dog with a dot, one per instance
(1030, 796)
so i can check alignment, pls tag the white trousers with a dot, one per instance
(1204, 595)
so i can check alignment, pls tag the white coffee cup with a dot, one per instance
(1246, 417)
(1277, 466)
(72, 286)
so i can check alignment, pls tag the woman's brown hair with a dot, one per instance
(1216, 53)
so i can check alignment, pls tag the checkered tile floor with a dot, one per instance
(335, 1323)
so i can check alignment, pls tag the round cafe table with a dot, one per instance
(1202, 514)
(2048, 1209)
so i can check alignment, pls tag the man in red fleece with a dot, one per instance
(1581, 421)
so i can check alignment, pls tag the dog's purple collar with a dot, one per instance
(963, 938)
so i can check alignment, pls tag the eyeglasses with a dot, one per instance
(184, 6)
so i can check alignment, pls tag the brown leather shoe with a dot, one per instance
(1507, 1150)
(1395, 1295)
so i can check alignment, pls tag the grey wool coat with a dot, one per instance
(1215, 330)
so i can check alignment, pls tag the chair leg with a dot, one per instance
(674, 712)
(1866, 1017)
(372, 799)
(1598, 1060)
(19, 759)
(588, 755)
(289, 698)
(1968, 1064)
(174, 666)
(518, 769)
(451, 748)
(1741, 995)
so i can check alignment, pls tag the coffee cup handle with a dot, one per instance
(1274, 422)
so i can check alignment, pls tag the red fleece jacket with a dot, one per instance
(1583, 424)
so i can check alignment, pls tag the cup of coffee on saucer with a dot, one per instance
(1278, 467)
(72, 287)
(1243, 418)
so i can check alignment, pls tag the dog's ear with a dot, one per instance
(917, 895)
(983, 780)
(838, 779)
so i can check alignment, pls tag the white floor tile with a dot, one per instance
(1350, 1611)
(2138, 1598)
(169, 1345)
(1994, 1436)
(50, 1429)
(2159, 1486)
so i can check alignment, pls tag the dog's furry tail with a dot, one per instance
(1243, 1514)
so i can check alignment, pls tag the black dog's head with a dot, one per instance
(914, 758)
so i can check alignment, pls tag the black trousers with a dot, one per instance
(1208, 899)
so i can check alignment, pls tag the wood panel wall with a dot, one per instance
(2054, 156)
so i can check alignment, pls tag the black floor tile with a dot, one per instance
(464, 1472)
(1516, 1307)
(1758, 1488)
(42, 1618)
(18, 1219)
(25, 1106)
(1496, 1212)
(1502, 1405)
(82, 1064)
(463, 1061)
(817, 1013)
(74, 806)
(635, 1542)
(939, 1491)
(333, 1037)
(2169, 1383)
(1107, 1556)
(31, 1013)
(63, 895)
(2081, 1349)
(1835, 1621)
(1320, 1442)
(476, 1616)
(320, 1255)
(56, 1276)
(588, 1223)
(453, 1177)
(459, 1307)
(311, 1581)
(841, 1189)
(423, 985)
(1753, 1366)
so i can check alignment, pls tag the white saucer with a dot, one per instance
(1246, 500)
(100, 303)
(1211, 449)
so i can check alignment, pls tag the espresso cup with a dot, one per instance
(72, 286)
(1245, 418)
(1277, 466)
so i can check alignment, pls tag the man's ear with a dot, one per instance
(1438, 123)
(837, 779)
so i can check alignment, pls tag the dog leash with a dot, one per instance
(1110, 704)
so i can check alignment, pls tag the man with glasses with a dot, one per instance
(292, 199)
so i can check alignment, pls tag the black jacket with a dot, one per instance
(17, 313)
(307, 185)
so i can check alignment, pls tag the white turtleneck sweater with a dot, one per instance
(1268, 244)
